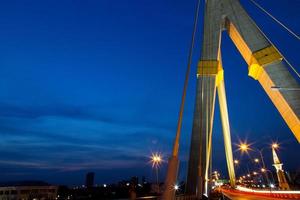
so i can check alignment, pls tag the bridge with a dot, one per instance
(266, 65)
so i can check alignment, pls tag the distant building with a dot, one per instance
(89, 181)
(28, 192)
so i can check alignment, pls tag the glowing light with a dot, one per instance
(236, 162)
(268, 191)
(275, 145)
(256, 160)
(176, 187)
(272, 185)
(244, 147)
(254, 173)
(104, 185)
(263, 170)
(248, 175)
(156, 159)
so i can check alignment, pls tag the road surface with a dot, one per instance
(252, 197)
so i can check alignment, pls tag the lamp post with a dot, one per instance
(265, 171)
(244, 147)
(275, 146)
(156, 160)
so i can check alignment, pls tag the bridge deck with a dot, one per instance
(238, 196)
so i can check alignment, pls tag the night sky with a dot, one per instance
(95, 85)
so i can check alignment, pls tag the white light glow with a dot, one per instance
(176, 187)
(267, 191)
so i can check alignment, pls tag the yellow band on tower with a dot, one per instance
(261, 58)
(211, 67)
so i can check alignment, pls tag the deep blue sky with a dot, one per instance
(95, 85)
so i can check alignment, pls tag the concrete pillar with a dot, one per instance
(265, 64)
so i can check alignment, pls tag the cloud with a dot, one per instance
(66, 138)
(59, 110)
(102, 164)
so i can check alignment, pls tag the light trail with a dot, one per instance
(268, 191)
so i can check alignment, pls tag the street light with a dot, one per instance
(244, 147)
(176, 187)
(264, 170)
(156, 160)
(236, 162)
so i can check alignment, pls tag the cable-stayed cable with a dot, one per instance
(285, 27)
(276, 20)
(190, 56)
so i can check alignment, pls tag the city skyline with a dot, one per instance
(96, 86)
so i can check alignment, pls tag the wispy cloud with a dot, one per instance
(72, 139)
(102, 164)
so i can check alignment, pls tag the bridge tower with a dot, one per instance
(283, 184)
(265, 65)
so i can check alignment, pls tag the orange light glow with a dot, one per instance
(244, 147)
(156, 159)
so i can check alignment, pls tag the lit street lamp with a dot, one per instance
(264, 170)
(176, 187)
(156, 160)
(236, 162)
(244, 147)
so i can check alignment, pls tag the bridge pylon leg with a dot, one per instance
(226, 131)
(265, 64)
(172, 171)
